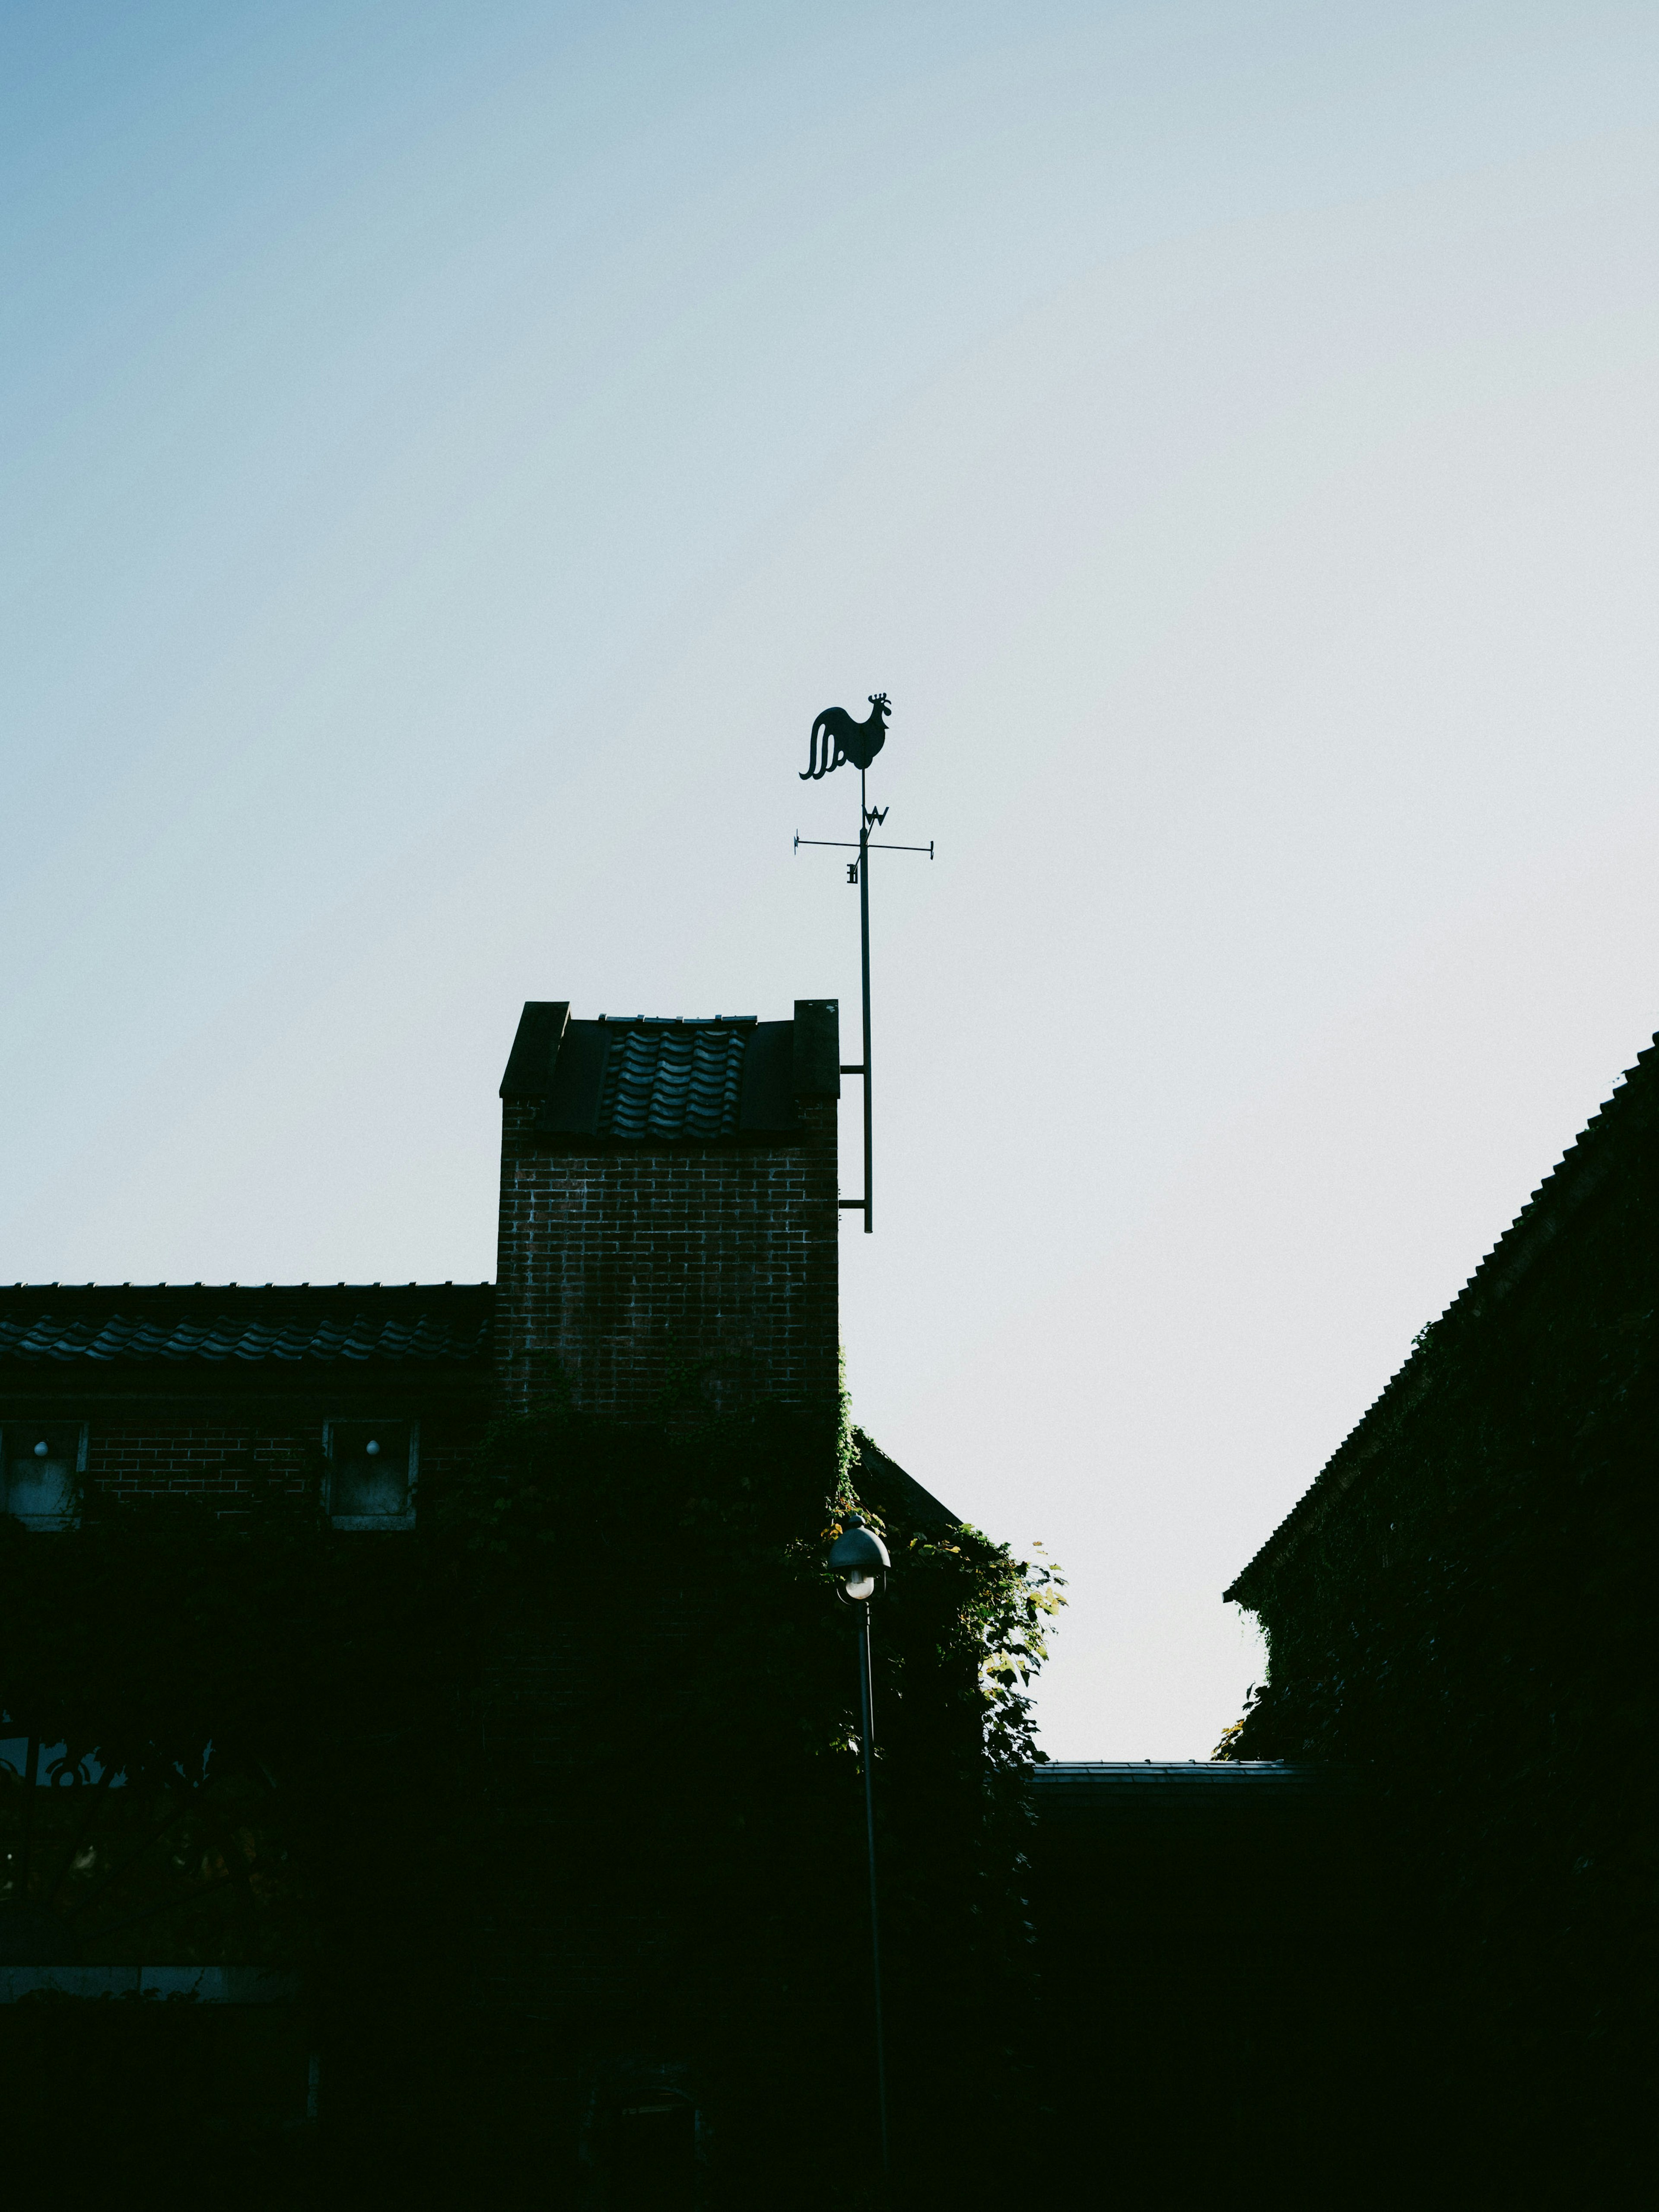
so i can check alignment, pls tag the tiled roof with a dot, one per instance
(1579, 1173)
(673, 1079)
(164, 1325)
(629, 1080)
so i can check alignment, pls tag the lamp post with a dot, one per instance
(860, 1560)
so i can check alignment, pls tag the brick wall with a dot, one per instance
(227, 1452)
(617, 1265)
(139, 1451)
(140, 1445)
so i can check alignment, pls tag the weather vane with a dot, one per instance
(837, 738)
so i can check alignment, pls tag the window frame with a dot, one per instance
(372, 1521)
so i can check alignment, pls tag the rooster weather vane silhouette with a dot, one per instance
(837, 738)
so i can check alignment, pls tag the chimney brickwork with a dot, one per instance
(636, 1269)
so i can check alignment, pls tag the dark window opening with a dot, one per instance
(42, 1462)
(371, 1472)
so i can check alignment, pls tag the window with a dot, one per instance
(41, 1463)
(371, 1472)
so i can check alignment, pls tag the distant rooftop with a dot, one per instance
(1089, 1794)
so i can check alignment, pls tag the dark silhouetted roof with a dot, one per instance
(151, 1325)
(884, 1484)
(1583, 1167)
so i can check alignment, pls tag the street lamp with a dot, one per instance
(860, 1560)
(858, 1557)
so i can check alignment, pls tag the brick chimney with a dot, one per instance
(669, 1210)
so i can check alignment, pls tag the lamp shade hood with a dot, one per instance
(860, 1551)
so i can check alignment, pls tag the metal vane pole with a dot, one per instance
(836, 738)
(863, 941)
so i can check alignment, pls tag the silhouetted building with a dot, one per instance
(668, 1235)
(1200, 1955)
(1460, 1610)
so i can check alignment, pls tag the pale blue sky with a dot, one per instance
(450, 453)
